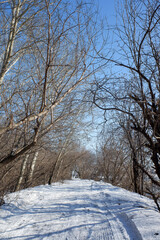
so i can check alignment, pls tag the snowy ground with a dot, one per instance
(78, 209)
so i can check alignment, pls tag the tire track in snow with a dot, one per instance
(81, 211)
(92, 223)
(122, 227)
(129, 226)
(100, 223)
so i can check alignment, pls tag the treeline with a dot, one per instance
(47, 61)
(58, 62)
(132, 93)
(45, 165)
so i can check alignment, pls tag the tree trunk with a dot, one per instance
(135, 173)
(23, 168)
(33, 166)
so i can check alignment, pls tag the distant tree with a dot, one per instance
(113, 161)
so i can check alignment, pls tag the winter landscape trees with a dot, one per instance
(47, 59)
(136, 93)
(44, 52)
(51, 60)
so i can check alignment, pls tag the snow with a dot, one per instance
(78, 209)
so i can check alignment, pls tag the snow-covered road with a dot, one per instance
(78, 209)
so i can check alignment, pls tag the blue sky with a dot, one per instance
(107, 9)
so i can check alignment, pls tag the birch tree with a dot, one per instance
(47, 52)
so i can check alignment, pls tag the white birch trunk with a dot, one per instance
(10, 44)
(33, 166)
(22, 172)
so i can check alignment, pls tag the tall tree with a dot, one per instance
(47, 57)
(136, 93)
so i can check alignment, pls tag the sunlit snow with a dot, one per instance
(78, 209)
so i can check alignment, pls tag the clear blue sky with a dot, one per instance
(107, 9)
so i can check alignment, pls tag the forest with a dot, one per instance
(64, 72)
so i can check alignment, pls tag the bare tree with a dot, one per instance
(113, 160)
(141, 22)
(136, 93)
(47, 57)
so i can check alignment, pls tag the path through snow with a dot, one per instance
(78, 210)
